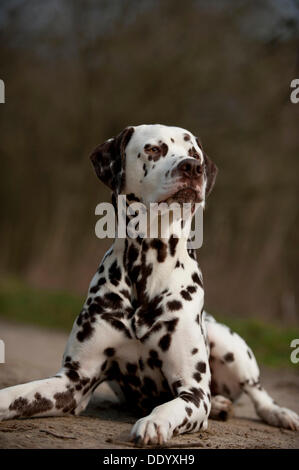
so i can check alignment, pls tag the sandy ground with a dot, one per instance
(33, 353)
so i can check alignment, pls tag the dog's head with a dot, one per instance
(157, 164)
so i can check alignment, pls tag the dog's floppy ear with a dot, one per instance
(109, 158)
(211, 169)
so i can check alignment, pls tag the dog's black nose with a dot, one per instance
(189, 168)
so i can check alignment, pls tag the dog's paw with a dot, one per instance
(280, 417)
(221, 408)
(151, 430)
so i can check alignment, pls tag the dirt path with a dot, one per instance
(33, 353)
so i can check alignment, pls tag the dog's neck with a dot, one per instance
(162, 253)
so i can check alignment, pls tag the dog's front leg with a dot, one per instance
(87, 362)
(186, 369)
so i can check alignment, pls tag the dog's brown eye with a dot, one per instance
(155, 149)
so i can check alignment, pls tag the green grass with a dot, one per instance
(269, 341)
(49, 308)
(58, 309)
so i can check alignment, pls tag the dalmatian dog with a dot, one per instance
(143, 328)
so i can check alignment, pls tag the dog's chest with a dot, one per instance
(138, 373)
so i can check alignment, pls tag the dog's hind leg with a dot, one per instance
(221, 408)
(234, 370)
(268, 410)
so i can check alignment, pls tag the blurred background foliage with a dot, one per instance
(77, 72)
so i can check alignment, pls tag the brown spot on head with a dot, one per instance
(164, 149)
(155, 152)
(187, 137)
(229, 357)
(192, 152)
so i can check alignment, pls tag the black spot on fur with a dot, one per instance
(153, 360)
(149, 385)
(113, 300)
(176, 385)
(201, 367)
(194, 395)
(85, 333)
(109, 352)
(185, 294)
(114, 273)
(117, 324)
(72, 375)
(171, 325)
(174, 305)
(164, 342)
(131, 368)
(196, 278)
(65, 401)
(197, 376)
(25, 409)
(191, 289)
(161, 249)
(173, 241)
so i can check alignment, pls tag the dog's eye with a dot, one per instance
(151, 148)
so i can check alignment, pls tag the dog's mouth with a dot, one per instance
(184, 195)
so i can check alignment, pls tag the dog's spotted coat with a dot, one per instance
(143, 328)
